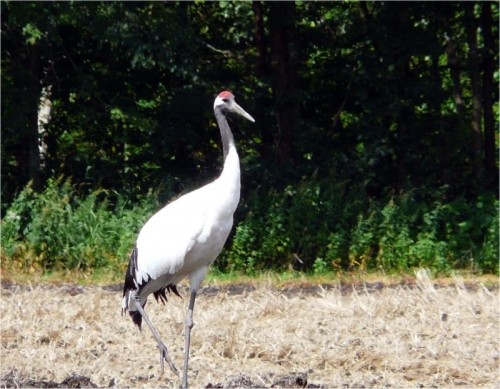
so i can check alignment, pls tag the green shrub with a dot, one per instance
(488, 258)
(58, 229)
(329, 227)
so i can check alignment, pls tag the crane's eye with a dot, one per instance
(225, 100)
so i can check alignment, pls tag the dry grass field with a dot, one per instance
(403, 336)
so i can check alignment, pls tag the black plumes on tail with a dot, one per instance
(131, 284)
(160, 294)
(136, 318)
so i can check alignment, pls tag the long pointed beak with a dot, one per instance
(240, 111)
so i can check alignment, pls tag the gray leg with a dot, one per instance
(163, 349)
(189, 326)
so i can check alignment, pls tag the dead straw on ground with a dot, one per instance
(405, 337)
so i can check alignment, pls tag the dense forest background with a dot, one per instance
(374, 147)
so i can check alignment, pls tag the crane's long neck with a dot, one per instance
(230, 176)
(225, 133)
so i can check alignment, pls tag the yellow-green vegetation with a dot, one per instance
(280, 280)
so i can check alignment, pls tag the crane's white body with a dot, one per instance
(187, 235)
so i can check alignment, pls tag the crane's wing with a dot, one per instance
(178, 241)
(168, 236)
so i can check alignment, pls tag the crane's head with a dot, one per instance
(225, 103)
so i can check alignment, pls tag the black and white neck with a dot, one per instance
(225, 132)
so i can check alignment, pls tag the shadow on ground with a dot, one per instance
(14, 380)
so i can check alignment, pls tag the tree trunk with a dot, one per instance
(32, 96)
(262, 98)
(453, 64)
(260, 38)
(405, 117)
(44, 112)
(490, 167)
(284, 71)
(477, 104)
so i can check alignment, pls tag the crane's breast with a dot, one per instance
(208, 245)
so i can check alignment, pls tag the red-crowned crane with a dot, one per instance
(184, 238)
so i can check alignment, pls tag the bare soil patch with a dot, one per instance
(365, 335)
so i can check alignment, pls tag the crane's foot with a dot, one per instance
(165, 356)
